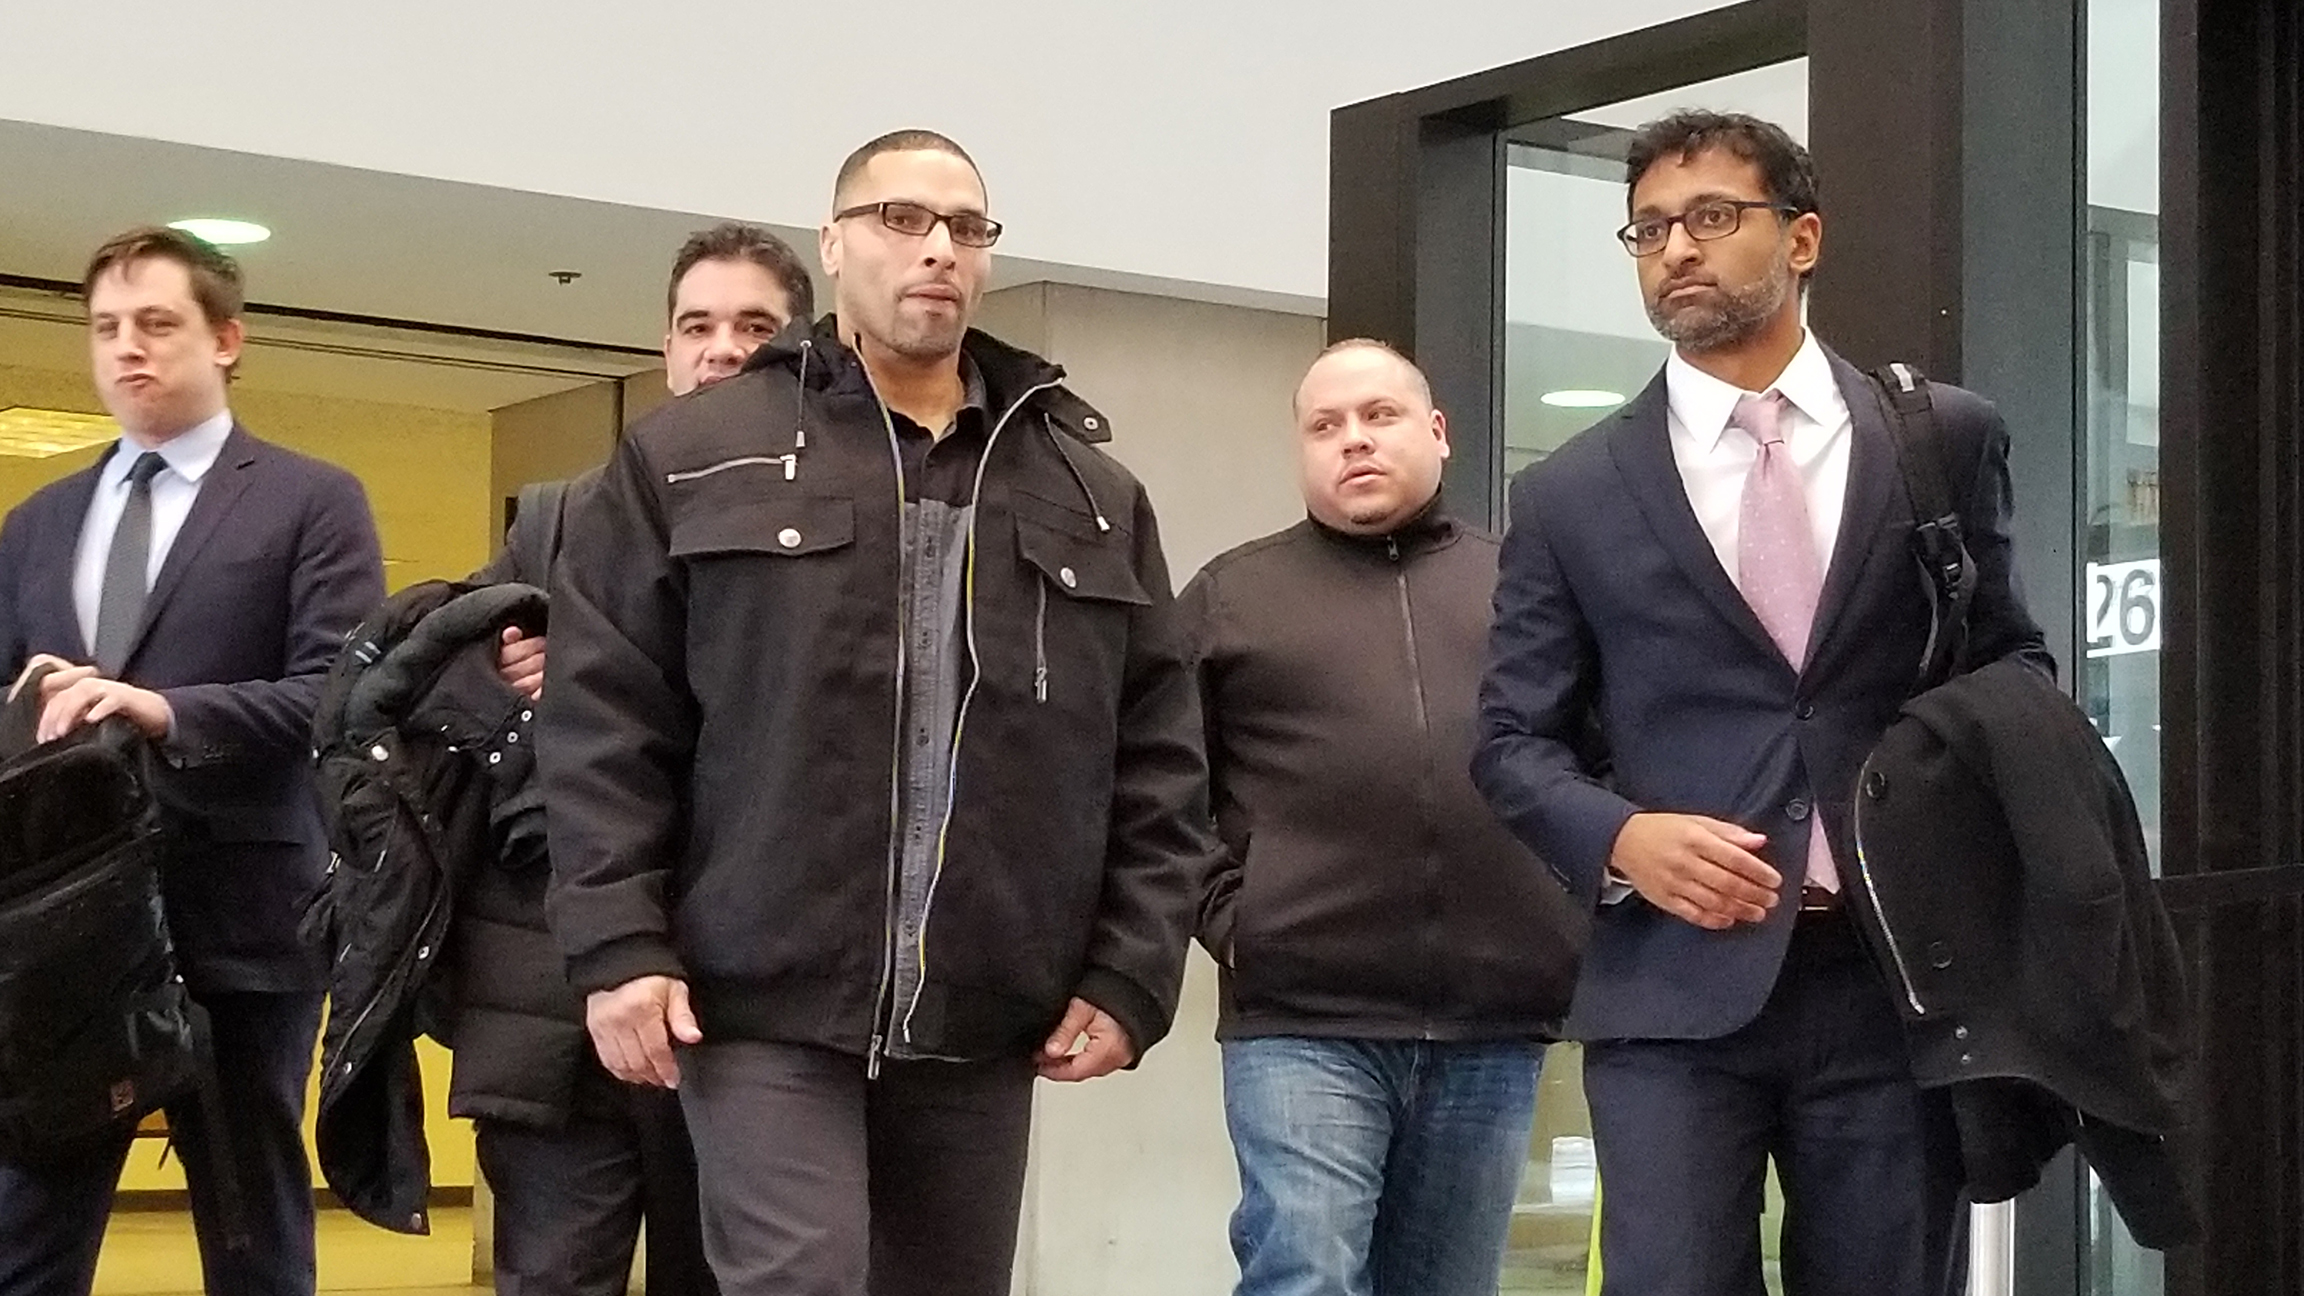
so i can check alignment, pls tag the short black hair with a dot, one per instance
(736, 241)
(900, 141)
(1787, 173)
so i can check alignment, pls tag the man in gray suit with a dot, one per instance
(199, 582)
(1715, 582)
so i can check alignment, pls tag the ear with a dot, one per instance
(231, 336)
(1807, 234)
(828, 248)
(1440, 431)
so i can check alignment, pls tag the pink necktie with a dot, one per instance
(1777, 565)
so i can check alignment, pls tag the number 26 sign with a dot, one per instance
(2123, 608)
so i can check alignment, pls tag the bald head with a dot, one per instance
(1368, 440)
(1349, 346)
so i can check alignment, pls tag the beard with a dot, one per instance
(1735, 315)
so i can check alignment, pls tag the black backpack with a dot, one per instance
(96, 1027)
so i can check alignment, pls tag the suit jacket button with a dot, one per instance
(1797, 810)
(1939, 955)
(1807, 711)
(1876, 786)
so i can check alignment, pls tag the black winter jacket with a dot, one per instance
(2008, 897)
(425, 779)
(1365, 890)
(721, 718)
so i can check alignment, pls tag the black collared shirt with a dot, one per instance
(944, 468)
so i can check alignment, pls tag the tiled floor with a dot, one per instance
(152, 1254)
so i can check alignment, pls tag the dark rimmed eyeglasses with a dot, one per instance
(969, 229)
(1704, 222)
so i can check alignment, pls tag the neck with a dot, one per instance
(1755, 363)
(154, 437)
(928, 392)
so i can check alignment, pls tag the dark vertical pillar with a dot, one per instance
(1460, 305)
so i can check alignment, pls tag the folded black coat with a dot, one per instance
(2004, 883)
(425, 780)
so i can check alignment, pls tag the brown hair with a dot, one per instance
(216, 281)
(735, 241)
(902, 141)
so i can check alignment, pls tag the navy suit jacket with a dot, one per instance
(275, 565)
(1617, 631)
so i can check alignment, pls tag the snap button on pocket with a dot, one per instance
(1066, 575)
(1939, 955)
(789, 537)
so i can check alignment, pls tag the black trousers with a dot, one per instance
(570, 1201)
(1822, 1084)
(52, 1216)
(819, 1182)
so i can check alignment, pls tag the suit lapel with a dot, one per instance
(219, 490)
(1872, 492)
(1641, 444)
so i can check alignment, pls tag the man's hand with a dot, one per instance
(79, 696)
(1104, 1050)
(633, 1027)
(1695, 868)
(38, 660)
(520, 663)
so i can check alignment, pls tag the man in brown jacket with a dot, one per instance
(1393, 959)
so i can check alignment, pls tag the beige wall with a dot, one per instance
(550, 438)
(1132, 1177)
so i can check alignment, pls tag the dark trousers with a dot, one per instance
(818, 1182)
(570, 1201)
(1821, 1083)
(52, 1216)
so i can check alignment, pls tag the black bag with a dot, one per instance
(96, 1027)
(1939, 542)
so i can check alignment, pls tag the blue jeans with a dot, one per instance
(1376, 1167)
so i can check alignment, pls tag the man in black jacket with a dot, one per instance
(1393, 959)
(576, 1158)
(872, 761)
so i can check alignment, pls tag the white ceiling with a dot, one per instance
(1178, 148)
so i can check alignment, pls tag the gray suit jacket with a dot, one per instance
(1618, 631)
(277, 562)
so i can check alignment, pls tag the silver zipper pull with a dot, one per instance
(791, 466)
(872, 1060)
(1040, 683)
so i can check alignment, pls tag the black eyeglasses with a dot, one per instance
(968, 228)
(1705, 221)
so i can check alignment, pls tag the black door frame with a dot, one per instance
(1971, 267)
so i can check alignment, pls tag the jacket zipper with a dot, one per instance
(1872, 893)
(1040, 642)
(791, 464)
(880, 1004)
(968, 696)
(1423, 712)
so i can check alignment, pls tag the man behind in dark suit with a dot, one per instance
(1714, 583)
(197, 581)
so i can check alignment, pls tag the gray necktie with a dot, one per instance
(120, 610)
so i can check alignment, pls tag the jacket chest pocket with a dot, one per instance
(1084, 594)
(797, 527)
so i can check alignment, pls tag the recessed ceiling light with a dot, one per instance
(1582, 398)
(222, 232)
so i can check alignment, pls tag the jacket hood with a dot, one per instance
(823, 361)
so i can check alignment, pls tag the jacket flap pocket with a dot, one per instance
(790, 528)
(1081, 568)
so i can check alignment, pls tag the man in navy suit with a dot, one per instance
(197, 581)
(1706, 615)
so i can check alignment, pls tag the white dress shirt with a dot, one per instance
(189, 456)
(1714, 458)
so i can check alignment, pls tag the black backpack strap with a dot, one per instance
(536, 530)
(1939, 541)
